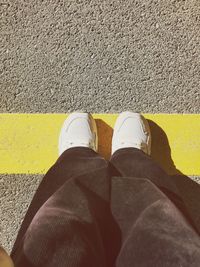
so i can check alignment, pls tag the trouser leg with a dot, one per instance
(69, 222)
(132, 162)
(154, 231)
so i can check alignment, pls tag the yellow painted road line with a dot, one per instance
(28, 142)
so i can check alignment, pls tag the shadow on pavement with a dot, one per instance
(160, 149)
(105, 133)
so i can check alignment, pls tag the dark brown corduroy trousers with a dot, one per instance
(126, 212)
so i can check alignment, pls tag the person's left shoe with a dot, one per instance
(131, 130)
(78, 130)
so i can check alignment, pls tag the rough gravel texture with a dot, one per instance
(16, 192)
(100, 56)
(96, 56)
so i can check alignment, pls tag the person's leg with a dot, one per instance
(154, 231)
(73, 162)
(72, 227)
(69, 222)
(131, 149)
(133, 162)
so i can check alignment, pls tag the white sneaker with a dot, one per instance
(78, 130)
(131, 130)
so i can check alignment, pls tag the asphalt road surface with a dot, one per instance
(95, 56)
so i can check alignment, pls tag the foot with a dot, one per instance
(131, 130)
(78, 130)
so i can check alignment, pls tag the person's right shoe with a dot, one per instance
(78, 130)
(131, 130)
